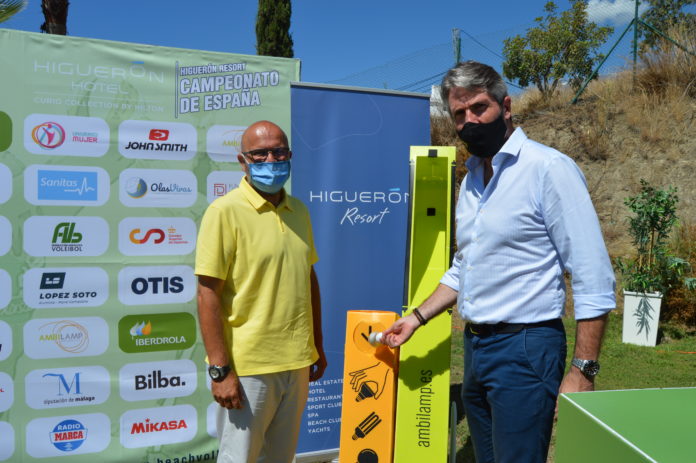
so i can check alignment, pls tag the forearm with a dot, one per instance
(316, 312)
(588, 338)
(210, 320)
(440, 300)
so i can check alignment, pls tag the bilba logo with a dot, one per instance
(65, 238)
(156, 380)
(54, 280)
(157, 285)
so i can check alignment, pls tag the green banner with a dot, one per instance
(109, 155)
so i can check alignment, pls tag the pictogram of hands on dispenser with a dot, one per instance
(370, 381)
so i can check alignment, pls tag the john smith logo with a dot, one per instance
(136, 187)
(136, 237)
(48, 135)
(68, 435)
(67, 335)
(156, 332)
(65, 238)
(157, 426)
(67, 185)
(159, 134)
(52, 280)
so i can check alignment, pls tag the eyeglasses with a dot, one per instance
(261, 154)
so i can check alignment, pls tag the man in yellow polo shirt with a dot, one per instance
(258, 304)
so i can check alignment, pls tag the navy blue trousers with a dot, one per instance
(509, 392)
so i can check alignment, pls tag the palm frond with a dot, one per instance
(9, 8)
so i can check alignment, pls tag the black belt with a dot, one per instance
(486, 329)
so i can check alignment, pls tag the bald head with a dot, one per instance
(263, 134)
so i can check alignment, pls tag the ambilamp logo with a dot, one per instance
(156, 332)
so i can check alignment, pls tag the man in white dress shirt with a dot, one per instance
(524, 217)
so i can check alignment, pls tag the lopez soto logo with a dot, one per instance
(157, 188)
(60, 338)
(158, 426)
(59, 135)
(156, 332)
(156, 236)
(5, 235)
(157, 380)
(224, 142)
(7, 440)
(65, 236)
(6, 391)
(5, 341)
(66, 185)
(156, 285)
(49, 288)
(66, 387)
(73, 435)
(5, 183)
(171, 141)
(219, 183)
(5, 290)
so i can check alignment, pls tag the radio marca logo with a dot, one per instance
(156, 332)
(61, 436)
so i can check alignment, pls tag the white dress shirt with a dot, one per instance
(517, 235)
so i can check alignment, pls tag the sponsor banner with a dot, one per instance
(46, 338)
(167, 141)
(156, 236)
(7, 440)
(5, 235)
(5, 183)
(60, 436)
(156, 285)
(51, 185)
(219, 183)
(5, 340)
(211, 419)
(5, 131)
(156, 332)
(60, 135)
(157, 188)
(50, 288)
(5, 289)
(149, 427)
(53, 236)
(66, 387)
(157, 380)
(6, 391)
(224, 142)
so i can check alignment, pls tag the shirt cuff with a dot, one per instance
(592, 306)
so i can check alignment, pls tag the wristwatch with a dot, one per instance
(217, 373)
(589, 368)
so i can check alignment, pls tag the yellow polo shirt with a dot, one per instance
(264, 254)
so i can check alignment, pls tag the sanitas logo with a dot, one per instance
(48, 135)
(68, 435)
(66, 185)
(136, 187)
(156, 332)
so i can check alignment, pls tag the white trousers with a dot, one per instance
(267, 427)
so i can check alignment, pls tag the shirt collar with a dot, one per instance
(512, 147)
(258, 201)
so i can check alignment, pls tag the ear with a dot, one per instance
(243, 164)
(507, 107)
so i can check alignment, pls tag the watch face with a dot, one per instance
(214, 372)
(591, 368)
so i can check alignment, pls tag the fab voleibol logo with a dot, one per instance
(60, 135)
(157, 188)
(65, 236)
(52, 185)
(171, 141)
(68, 435)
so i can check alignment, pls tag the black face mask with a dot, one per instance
(484, 140)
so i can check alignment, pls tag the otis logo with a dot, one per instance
(158, 426)
(5, 236)
(157, 380)
(5, 341)
(224, 142)
(5, 290)
(65, 287)
(65, 236)
(66, 135)
(156, 285)
(156, 332)
(48, 135)
(5, 183)
(66, 387)
(66, 185)
(77, 434)
(173, 141)
(6, 391)
(156, 236)
(61, 338)
(219, 183)
(157, 188)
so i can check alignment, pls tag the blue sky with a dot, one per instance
(381, 43)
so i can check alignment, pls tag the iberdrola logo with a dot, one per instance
(141, 329)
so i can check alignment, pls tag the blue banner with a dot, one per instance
(350, 166)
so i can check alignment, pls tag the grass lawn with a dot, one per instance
(624, 366)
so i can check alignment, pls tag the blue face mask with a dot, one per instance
(269, 177)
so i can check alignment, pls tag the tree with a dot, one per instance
(56, 16)
(273, 28)
(560, 47)
(662, 15)
(9, 8)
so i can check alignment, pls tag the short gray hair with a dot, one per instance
(473, 75)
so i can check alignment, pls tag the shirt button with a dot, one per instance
(470, 267)
(467, 298)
